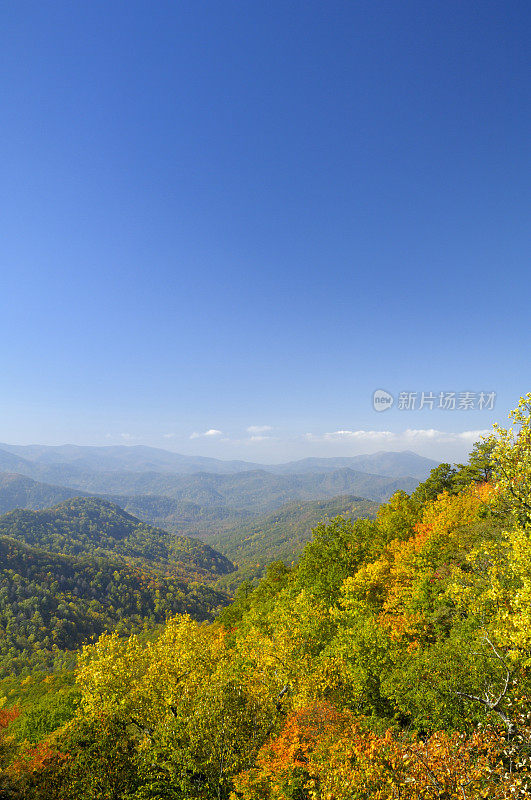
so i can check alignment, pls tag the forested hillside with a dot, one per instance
(16, 491)
(181, 517)
(392, 661)
(93, 526)
(248, 492)
(51, 603)
(183, 501)
(177, 516)
(282, 534)
(258, 491)
(85, 566)
(208, 505)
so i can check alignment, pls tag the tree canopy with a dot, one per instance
(391, 661)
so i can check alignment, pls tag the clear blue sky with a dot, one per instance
(227, 215)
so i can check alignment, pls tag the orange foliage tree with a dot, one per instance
(324, 754)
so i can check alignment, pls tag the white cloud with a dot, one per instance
(473, 436)
(445, 436)
(209, 433)
(349, 436)
(168, 435)
(403, 437)
(257, 429)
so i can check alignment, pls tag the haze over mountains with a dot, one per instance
(135, 458)
(138, 458)
(191, 495)
(390, 464)
(76, 530)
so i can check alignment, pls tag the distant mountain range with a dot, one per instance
(202, 503)
(389, 464)
(271, 508)
(32, 460)
(133, 458)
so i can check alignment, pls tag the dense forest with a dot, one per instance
(391, 661)
(281, 535)
(71, 572)
(90, 525)
(51, 603)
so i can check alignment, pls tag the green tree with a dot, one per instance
(511, 453)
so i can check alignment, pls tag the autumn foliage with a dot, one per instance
(393, 662)
(331, 755)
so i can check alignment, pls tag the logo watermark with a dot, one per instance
(382, 400)
(434, 401)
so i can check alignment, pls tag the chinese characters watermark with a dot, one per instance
(441, 401)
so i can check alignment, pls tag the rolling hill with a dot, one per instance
(52, 603)
(202, 504)
(249, 492)
(177, 516)
(166, 489)
(85, 566)
(282, 534)
(17, 491)
(94, 527)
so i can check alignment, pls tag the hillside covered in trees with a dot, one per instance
(69, 573)
(206, 505)
(282, 535)
(92, 526)
(51, 603)
(392, 661)
(17, 491)
(213, 495)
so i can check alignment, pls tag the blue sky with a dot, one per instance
(223, 216)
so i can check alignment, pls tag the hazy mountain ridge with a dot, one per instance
(177, 516)
(386, 463)
(238, 494)
(19, 491)
(134, 458)
(139, 458)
